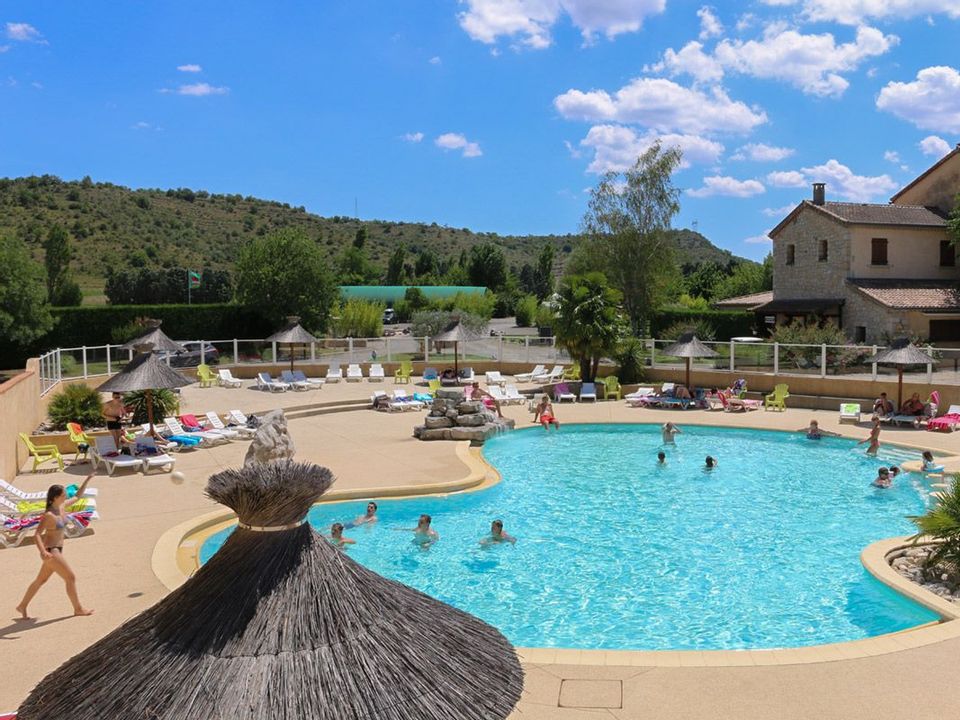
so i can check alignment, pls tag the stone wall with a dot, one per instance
(880, 320)
(809, 277)
(451, 417)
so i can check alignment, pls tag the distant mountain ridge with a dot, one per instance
(115, 226)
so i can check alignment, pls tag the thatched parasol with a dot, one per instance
(155, 337)
(280, 625)
(901, 352)
(689, 347)
(292, 334)
(454, 332)
(145, 372)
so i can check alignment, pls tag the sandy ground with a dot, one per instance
(370, 449)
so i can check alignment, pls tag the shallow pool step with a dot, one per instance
(303, 411)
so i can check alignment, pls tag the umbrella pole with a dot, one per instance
(688, 373)
(456, 367)
(899, 387)
(149, 394)
(291, 357)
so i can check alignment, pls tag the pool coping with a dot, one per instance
(176, 557)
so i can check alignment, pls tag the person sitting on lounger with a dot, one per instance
(883, 479)
(497, 535)
(912, 406)
(680, 392)
(882, 406)
(544, 414)
(369, 518)
(336, 537)
(478, 393)
(668, 432)
(873, 438)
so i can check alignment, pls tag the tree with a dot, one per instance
(354, 268)
(426, 265)
(487, 266)
(395, 270)
(626, 227)
(284, 273)
(588, 322)
(57, 257)
(527, 278)
(360, 239)
(705, 279)
(543, 275)
(24, 309)
(747, 278)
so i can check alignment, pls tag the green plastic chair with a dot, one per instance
(42, 453)
(572, 373)
(401, 375)
(777, 399)
(611, 387)
(206, 376)
(79, 438)
(434, 386)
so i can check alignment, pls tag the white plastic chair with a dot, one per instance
(354, 373)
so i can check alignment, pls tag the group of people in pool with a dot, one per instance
(423, 534)
(668, 434)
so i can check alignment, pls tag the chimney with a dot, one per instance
(819, 193)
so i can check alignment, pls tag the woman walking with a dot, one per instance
(49, 539)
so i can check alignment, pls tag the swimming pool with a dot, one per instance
(616, 552)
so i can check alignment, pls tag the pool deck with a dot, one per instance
(369, 450)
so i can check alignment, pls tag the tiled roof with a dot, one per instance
(878, 214)
(929, 295)
(800, 305)
(744, 301)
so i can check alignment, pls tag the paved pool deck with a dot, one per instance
(367, 449)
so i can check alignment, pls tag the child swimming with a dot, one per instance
(929, 466)
(813, 431)
(661, 458)
(883, 479)
(497, 535)
(336, 537)
(711, 462)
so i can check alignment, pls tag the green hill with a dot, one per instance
(114, 226)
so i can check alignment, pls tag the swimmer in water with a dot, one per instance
(711, 462)
(336, 537)
(813, 431)
(669, 431)
(661, 458)
(928, 464)
(367, 519)
(497, 535)
(894, 472)
(883, 479)
(873, 438)
(423, 534)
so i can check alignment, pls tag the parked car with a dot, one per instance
(190, 357)
(389, 316)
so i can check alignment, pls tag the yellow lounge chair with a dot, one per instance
(79, 438)
(777, 399)
(572, 373)
(42, 453)
(611, 387)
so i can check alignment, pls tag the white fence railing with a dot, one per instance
(731, 356)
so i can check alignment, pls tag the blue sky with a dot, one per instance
(495, 115)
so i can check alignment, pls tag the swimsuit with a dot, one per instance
(114, 425)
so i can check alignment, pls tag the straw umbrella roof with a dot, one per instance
(901, 352)
(145, 372)
(688, 346)
(455, 331)
(155, 337)
(291, 333)
(280, 625)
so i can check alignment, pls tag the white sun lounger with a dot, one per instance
(400, 395)
(16, 494)
(376, 373)
(527, 377)
(514, 395)
(12, 508)
(225, 378)
(105, 451)
(288, 377)
(265, 382)
(334, 374)
(493, 377)
(850, 412)
(206, 438)
(299, 376)
(216, 422)
(392, 404)
(552, 376)
(151, 457)
(354, 373)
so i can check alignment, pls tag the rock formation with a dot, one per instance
(453, 418)
(272, 441)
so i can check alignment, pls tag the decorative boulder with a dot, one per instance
(433, 423)
(469, 407)
(475, 420)
(272, 441)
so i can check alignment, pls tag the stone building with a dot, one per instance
(877, 270)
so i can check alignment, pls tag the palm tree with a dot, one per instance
(942, 522)
(589, 323)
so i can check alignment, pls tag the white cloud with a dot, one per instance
(616, 148)
(201, 90)
(23, 32)
(855, 12)
(435, 60)
(37, 85)
(787, 179)
(759, 152)
(692, 60)
(727, 186)
(456, 141)
(809, 62)
(892, 156)
(931, 102)
(413, 137)
(841, 181)
(663, 105)
(746, 21)
(574, 153)
(141, 125)
(531, 20)
(710, 25)
(935, 146)
(779, 212)
(761, 239)
(190, 68)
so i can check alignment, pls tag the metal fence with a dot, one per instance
(772, 358)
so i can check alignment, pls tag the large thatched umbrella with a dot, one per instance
(292, 334)
(454, 332)
(145, 372)
(900, 353)
(280, 625)
(155, 337)
(689, 347)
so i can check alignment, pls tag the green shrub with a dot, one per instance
(801, 332)
(165, 404)
(698, 326)
(76, 403)
(359, 318)
(478, 305)
(68, 365)
(631, 359)
(942, 523)
(526, 310)
(546, 316)
(727, 323)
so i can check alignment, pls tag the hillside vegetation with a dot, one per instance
(116, 227)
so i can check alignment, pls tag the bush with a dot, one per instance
(631, 359)
(698, 326)
(506, 303)
(526, 311)
(430, 322)
(800, 332)
(942, 523)
(165, 404)
(546, 316)
(76, 403)
(727, 323)
(472, 304)
(360, 319)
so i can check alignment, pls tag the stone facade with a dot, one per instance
(451, 417)
(808, 276)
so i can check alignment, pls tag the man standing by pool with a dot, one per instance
(113, 412)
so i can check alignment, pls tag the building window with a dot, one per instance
(860, 334)
(822, 257)
(878, 251)
(791, 254)
(948, 254)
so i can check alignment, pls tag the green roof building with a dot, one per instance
(391, 294)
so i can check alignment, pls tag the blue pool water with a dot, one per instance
(615, 552)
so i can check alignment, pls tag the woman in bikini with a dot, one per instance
(873, 438)
(49, 540)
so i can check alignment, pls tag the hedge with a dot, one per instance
(728, 323)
